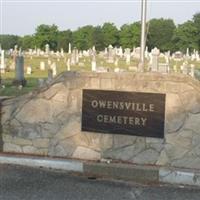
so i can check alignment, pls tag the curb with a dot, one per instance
(30, 161)
(129, 172)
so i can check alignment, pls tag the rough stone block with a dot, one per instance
(123, 140)
(9, 147)
(86, 154)
(175, 113)
(71, 128)
(35, 111)
(191, 101)
(106, 83)
(29, 149)
(193, 123)
(41, 143)
(179, 177)
(163, 159)
(148, 156)
(53, 90)
(95, 83)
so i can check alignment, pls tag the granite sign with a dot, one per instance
(117, 112)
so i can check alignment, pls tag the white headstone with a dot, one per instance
(110, 54)
(187, 53)
(47, 49)
(54, 69)
(28, 70)
(69, 49)
(68, 65)
(42, 66)
(116, 62)
(197, 56)
(128, 56)
(62, 52)
(155, 55)
(146, 52)
(2, 68)
(184, 68)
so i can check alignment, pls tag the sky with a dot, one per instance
(21, 17)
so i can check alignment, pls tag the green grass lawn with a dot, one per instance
(32, 80)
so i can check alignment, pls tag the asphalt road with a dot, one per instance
(21, 183)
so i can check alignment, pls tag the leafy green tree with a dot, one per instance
(46, 34)
(160, 33)
(9, 41)
(110, 34)
(83, 37)
(64, 38)
(185, 37)
(130, 35)
(98, 38)
(27, 42)
(196, 20)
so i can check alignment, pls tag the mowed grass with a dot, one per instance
(61, 63)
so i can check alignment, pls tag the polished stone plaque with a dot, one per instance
(119, 112)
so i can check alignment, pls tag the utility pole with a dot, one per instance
(143, 34)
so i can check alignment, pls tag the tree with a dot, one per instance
(110, 34)
(27, 42)
(83, 37)
(160, 34)
(98, 38)
(64, 38)
(9, 41)
(46, 34)
(196, 20)
(130, 35)
(185, 36)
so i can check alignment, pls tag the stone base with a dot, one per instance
(48, 122)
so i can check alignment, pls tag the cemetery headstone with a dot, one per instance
(42, 65)
(116, 62)
(54, 69)
(187, 53)
(69, 49)
(146, 53)
(50, 75)
(178, 56)
(62, 52)
(184, 68)
(155, 55)
(19, 71)
(68, 65)
(29, 70)
(128, 56)
(47, 49)
(110, 54)
(136, 53)
(2, 67)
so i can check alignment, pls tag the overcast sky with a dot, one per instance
(21, 17)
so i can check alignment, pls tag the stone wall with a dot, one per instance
(48, 122)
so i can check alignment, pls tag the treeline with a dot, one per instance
(162, 33)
